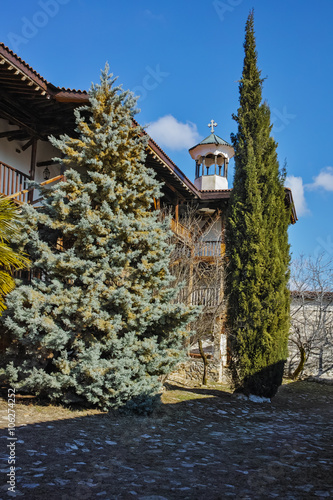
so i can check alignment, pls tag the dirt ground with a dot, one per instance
(202, 443)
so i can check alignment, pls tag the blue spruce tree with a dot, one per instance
(98, 323)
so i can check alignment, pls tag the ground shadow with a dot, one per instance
(198, 390)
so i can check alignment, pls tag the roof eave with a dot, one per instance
(33, 78)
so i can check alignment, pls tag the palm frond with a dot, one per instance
(10, 219)
(7, 284)
(9, 259)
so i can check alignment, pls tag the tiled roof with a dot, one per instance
(212, 139)
(6, 52)
(215, 190)
(7, 49)
(311, 294)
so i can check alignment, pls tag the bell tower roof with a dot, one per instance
(212, 139)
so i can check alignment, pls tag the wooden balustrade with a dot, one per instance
(208, 297)
(14, 184)
(180, 230)
(209, 249)
(17, 196)
(13, 181)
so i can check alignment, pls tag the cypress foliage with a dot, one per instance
(257, 243)
(98, 325)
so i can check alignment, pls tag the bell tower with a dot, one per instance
(212, 157)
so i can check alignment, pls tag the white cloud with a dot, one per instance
(154, 17)
(169, 132)
(297, 188)
(323, 180)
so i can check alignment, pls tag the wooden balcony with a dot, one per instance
(208, 297)
(26, 193)
(189, 252)
(204, 250)
(13, 181)
(14, 184)
(181, 231)
(209, 249)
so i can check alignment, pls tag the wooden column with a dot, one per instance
(177, 211)
(32, 166)
(223, 227)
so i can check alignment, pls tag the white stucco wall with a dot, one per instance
(11, 153)
(207, 182)
(215, 149)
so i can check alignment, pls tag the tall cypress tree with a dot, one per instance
(257, 243)
(97, 324)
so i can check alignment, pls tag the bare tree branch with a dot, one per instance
(312, 314)
(198, 264)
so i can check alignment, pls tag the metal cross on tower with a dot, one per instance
(211, 125)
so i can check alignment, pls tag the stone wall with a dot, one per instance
(192, 370)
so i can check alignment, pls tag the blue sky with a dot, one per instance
(184, 58)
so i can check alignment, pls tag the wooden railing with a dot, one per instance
(14, 184)
(180, 230)
(208, 297)
(24, 193)
(13, 181)
(209, 249)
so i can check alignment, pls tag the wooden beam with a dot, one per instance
(46, 163)
(8, 116)
(15, 105)
(10, 78)
(223, 222)
(173, 189)
(60, 177)
(22, 136)
(177, 211)
(168, 198)
(32, 166)
(33, 158)
(28, 144)
(70, 96)
(8, 133)
(157, 203)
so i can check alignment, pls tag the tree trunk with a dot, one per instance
(301, 363)
(205, 362)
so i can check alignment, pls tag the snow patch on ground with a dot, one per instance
(258, 399)
(253, 398)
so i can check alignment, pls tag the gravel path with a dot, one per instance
(201, 444)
